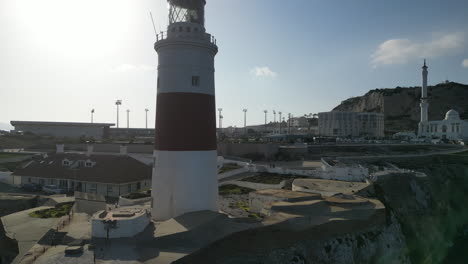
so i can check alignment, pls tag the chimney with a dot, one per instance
(123, 149)
(60, 148)
(89, 150)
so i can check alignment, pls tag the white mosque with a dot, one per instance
(452, 127)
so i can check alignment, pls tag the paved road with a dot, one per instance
(443, 152)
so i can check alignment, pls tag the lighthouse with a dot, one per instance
(185, 157)
(424, 101)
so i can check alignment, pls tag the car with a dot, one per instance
(53, 189)
(31, 187)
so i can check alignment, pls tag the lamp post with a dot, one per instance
(274, 116)
(220, 119)
(92, 115)
(266, 112)
(245, 120)
(289, 123)
(128, 118)
(146, 117)
(280, 122)
(118, 103)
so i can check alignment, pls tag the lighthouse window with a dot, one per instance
(195, 80)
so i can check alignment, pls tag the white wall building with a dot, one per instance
(64, 129)
(108, 175)
(351, 124)
(452, 127)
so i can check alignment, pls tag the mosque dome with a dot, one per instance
(452, 115)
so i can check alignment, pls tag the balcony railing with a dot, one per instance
(163, 35)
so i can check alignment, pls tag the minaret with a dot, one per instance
(424, 101)
(185, 157)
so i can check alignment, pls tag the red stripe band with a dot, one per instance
(185, 122)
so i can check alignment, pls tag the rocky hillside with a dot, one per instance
(401, 104)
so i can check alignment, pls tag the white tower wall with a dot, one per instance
(185, 156)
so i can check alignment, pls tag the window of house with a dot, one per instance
(65, 163)
(93, 188)
(444, 128)
(129, 188)
(88, 164)
(29, 179)
(138, 186)
(195, 80)
(63, 183)
(109, 189)
(81, 163)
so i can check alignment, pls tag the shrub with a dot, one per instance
(56, 212)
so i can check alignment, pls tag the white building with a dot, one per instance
(351, 124)
(452, 127)
(108, 175)
(64, 129)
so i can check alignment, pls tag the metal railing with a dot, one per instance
(163, 35)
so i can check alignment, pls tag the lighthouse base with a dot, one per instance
(183, 182)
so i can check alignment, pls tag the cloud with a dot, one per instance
(401, 51)
(263, 72)
(465, 63)
(132, 68)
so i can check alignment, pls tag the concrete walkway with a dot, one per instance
(27, 230)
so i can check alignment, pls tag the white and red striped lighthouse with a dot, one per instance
(185, 156)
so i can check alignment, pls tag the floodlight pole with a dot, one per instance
(220, 119)
(146, 117)
(280, 121)
(128, 118)
(118, 103)
(266, 112)
(245, 120)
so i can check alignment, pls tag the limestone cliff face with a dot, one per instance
(401, 105)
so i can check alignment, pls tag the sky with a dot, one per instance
(61, 58)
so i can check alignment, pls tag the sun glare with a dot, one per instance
(74, 29)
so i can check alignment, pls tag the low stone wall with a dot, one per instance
(232, 173)
(254, 185)
(88, 206)
(242, 149)
(285, 171)
(129, 202)
(122, 228)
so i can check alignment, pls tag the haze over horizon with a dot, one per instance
(62, 58)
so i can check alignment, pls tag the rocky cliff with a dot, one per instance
(423, 221)
(400, 105)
